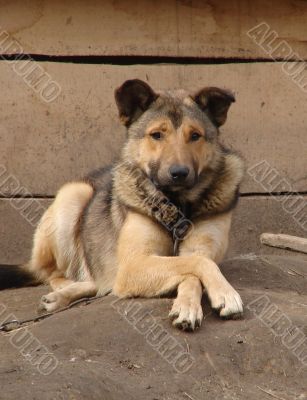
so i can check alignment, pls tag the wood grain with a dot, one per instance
(253, 216)
(195, 28)
(43, 145)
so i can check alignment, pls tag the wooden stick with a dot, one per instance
(284, 241)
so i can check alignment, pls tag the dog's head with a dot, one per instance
(172, 136)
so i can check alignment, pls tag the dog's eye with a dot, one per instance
(156, 135)
(195, 136)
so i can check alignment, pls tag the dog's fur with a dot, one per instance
(111, 230)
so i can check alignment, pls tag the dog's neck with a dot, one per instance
(134, 190)
(215, 193)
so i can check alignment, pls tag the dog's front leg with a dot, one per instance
(187, 313)
(208, 239)
(147, 270)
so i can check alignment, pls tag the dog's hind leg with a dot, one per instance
(63, 297)
(57, 257)
(43, 262)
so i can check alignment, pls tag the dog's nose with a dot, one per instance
(179, 172)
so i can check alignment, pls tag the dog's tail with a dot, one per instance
(16, 276)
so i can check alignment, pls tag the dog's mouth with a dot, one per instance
(172, 187)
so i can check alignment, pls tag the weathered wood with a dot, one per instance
(252, 216)
(43, 145)
(18, 218)
(154, 28)
(284, 241)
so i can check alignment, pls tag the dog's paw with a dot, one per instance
(52, 302)
(227, 301)
(186, 315)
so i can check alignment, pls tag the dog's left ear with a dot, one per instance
(133, 97)
(215, 102)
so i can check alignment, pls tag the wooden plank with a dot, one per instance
(284, 242)
(43, 145)
(253, 216)
(18, 221)
(193, 28)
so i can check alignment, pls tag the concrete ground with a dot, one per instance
(128, 349)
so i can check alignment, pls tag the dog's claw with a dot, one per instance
(219, 308)
(45, 299)
(186, 317)
(41, 309)
(184, 325)
(173, 315)
(227, 302)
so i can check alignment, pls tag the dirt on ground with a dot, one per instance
(128, 349)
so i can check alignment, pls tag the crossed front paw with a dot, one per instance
(226, 301)
(186, 315)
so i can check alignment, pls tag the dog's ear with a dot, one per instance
(133, 97)
(215, 102)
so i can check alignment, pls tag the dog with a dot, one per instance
(155, 221)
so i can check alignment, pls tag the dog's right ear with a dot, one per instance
(133, 97)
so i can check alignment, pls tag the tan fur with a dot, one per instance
(175, 148)
(128, 244)
(57, 256)
(145, 266)
(147, 269)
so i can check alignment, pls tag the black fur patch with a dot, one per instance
(14, 276)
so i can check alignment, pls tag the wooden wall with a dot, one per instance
(90, 48)
(197, 28)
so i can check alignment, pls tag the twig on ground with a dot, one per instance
(188, 347)
(270, 393)
(16, 324)
(190, 397)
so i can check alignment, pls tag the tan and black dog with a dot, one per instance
(155, 221)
